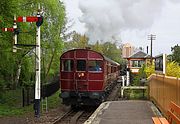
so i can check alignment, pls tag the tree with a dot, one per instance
(98, 47)
(78, 41)
(112, 51)
(52, 45)
(8, 60)
(176, 53)
(108, 49)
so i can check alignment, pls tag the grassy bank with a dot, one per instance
(12, 106)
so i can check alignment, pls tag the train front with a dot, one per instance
(81, 77)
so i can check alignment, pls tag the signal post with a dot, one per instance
(39, 20)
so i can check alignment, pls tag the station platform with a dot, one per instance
(124, 112)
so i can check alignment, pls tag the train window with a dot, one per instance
(95, 65)
(81, 65)
(67, 65)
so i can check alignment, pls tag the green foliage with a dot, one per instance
(109, 49)
(137, 77)
(54, 101)
(98, 47)
(176, 53)
(135, 94)
(142, 72)
(150, 69)
(136, 80)
(11, 104)
(12, 98)
(173, 69)
(12, 111)
(51, 42)
(78, 41)
(10, 108)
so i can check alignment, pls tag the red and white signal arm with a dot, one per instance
(27, 19)
(8, 29)
(38, 20)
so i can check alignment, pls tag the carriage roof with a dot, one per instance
(104, 57)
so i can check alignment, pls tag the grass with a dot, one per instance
(12, 106)
(135, 94)
(6, 110)
(54, 101)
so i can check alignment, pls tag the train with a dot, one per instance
(86, 77)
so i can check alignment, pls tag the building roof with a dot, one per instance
(139, 54)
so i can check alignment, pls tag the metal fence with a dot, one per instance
(25, 96)
(163, 90)
(46, 91)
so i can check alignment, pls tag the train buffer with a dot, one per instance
(124, 112)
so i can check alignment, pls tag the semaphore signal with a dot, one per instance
(39, 20)
(27, 19)
(8, 29)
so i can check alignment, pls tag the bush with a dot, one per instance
(12, 98)
(150, 69)
(173, 69)
(137, 77)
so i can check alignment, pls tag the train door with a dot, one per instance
(81, 75)
(95, 75)
(67, 74)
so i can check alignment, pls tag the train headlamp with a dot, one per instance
(80, 74)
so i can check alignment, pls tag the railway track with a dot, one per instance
(74, 116)
(80, 115)
(114, 95)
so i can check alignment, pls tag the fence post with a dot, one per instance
(178, 91)
(23, 99)
(28, 103)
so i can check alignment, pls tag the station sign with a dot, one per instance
(160, 64)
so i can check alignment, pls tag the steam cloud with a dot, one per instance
(105, 19)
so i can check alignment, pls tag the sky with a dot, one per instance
(127, 21)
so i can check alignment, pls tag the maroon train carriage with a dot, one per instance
(86, 77)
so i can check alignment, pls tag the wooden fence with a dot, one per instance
(163, 90)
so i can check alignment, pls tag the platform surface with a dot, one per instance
(124, 112)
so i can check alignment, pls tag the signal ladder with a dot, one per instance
(44, 104)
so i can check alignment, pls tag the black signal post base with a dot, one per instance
(37, 107)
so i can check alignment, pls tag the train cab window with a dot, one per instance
(95, 65)
(81, 65)
(67, 65)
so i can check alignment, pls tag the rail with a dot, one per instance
(75, 116)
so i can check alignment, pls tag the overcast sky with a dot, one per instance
(128, 21)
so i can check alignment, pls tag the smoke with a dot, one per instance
(105, 19)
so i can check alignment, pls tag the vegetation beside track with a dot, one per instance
(13, 107)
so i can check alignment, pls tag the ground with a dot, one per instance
(51, 115)
(46, 117)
